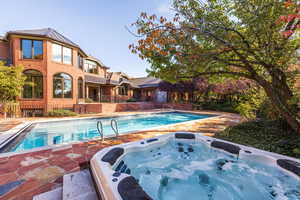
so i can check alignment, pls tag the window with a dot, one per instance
(80, 61)
(62, 86)
(80, 88)
(123, 90)
(32, 49)
(56, 53)
(90, 67)
(33, 88)
(61, 54)
(67, 55)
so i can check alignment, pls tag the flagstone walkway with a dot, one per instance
(24, 175)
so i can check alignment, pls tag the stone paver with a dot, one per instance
(55, 194)
(42, 171)
(6, 125)
(79, 185)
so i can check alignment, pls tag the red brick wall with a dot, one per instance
(122, 107)
(54, 68)
(4, 49)
(39, 65)
(177, 106)
(48, 68)
(112, 107)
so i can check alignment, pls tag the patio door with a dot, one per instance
(93, 93)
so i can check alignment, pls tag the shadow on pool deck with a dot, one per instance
(24, 175)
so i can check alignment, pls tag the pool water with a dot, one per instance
(193, 171)
(58, 132)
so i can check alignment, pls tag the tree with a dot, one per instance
(251, 39)
(11, 82)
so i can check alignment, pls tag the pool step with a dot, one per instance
(76, 186)
(79, 186)
(55, 194)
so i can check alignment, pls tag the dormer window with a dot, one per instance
(32, 49)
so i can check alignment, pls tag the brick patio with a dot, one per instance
(24, 175)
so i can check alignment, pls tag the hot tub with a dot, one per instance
(191, 166)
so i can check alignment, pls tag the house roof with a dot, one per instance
(145, 82)
(117, 82)
(94, 79)
(97, 60)
(122, 74)
(48, 33)
(2, 38)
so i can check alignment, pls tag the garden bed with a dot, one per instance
(274, 136)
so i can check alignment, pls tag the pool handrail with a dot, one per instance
(115, 129)
(100, 130)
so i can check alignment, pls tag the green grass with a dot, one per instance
(274, 136)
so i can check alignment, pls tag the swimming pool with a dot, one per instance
(190, 166)
(66, 131)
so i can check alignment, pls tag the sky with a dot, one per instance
(97, 26)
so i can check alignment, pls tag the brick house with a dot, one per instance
(62, 74)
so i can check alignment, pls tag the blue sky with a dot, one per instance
(98, 26)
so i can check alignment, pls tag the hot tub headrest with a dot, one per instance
(112, 156)
(234, 149)
(289, 165)
(184, 135)
(129, 189)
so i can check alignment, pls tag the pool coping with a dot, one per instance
(16, 131)
(104, 172)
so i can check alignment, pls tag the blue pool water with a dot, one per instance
(58, 132)
(194, 171)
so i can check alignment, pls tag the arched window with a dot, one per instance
(62, 86)
(33, 88)
(80, 88)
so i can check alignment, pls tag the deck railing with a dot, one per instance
(10, 110)
(113, 99)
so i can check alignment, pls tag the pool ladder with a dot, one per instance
(114, 126)
(100, 130)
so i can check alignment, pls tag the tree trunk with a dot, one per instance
(279, 100)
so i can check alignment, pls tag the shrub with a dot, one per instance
(255, 104)
(219, 106)
(61, 113)
(270, 135)
(88, 100)
(11, 82)
(131, 100)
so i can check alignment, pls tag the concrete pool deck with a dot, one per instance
(24, 175)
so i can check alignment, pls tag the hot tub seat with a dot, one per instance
(289, 165)
(185, 136)
(234, 149)
(129, 189)
(112, 156)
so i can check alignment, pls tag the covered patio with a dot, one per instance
(97, 89)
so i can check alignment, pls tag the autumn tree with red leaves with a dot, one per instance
(251, 39)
